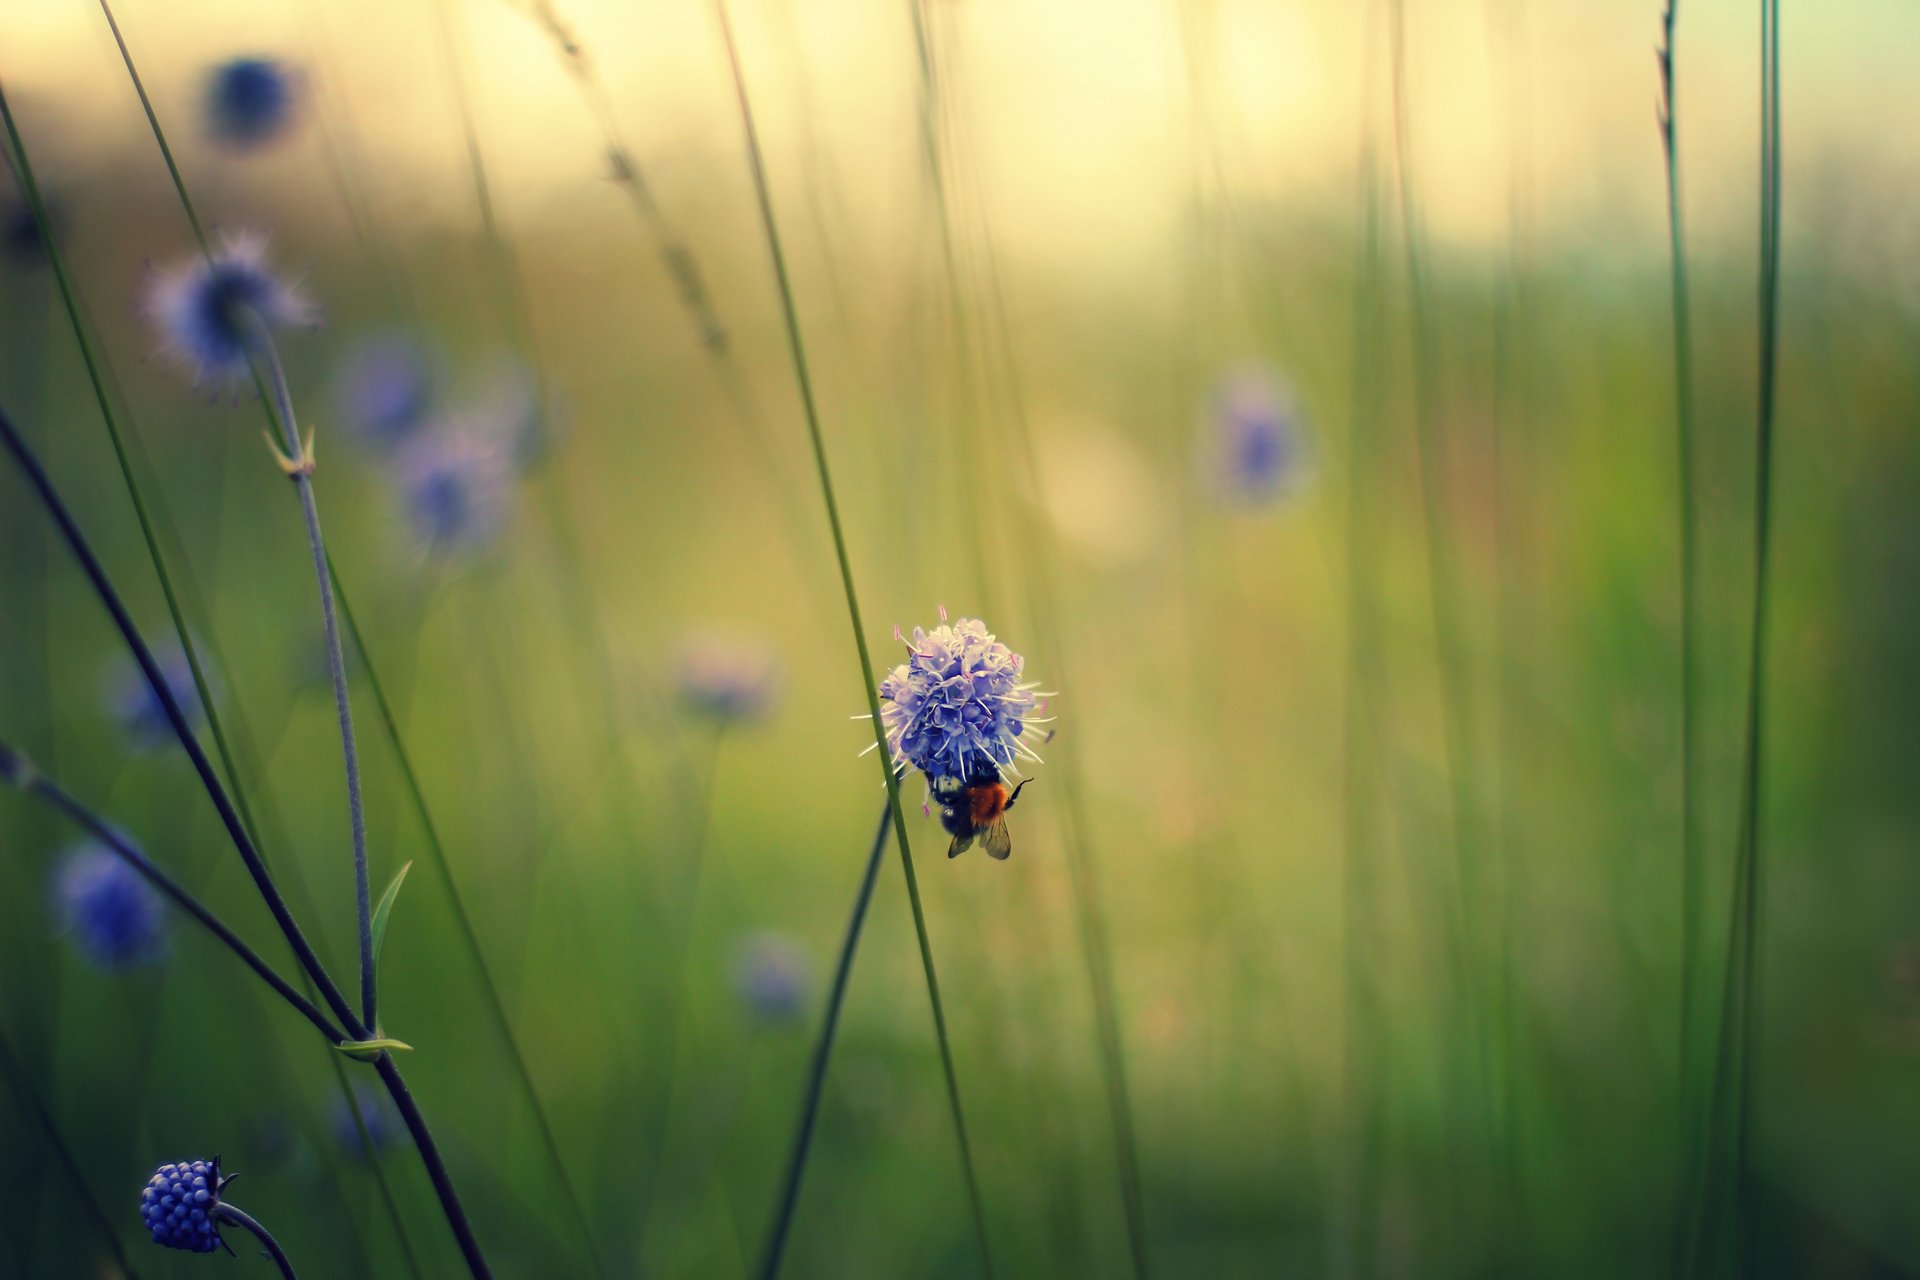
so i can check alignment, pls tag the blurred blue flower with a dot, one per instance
(509, 405)
(1259, 441)
(114, 917)
(250, 101)
(957, 708)
(384, 389)
(133, 705)
(179, 1203)
(772, 977)
(376, 1112)
(205, 309)
(732, 679)
(457, 487)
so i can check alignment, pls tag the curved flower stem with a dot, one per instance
(776, 1247)
(239, 1218)
(103, 587)
(302, 474)
(17, 769)
(450, 1205)
(797, 350)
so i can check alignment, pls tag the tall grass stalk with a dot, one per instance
(775, 1248)
(1730, 1116)
(31, 1102)
(1041, 593)
(802, 375)
(1690, 854)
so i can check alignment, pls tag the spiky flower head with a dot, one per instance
(209, 308)
(180, 1205)
(956, 708)
(1259, 443)
(133, 705)
(456, 484)
(113, 916)
(250, 101)
(726, 677)
(384, 389)
(772, 977)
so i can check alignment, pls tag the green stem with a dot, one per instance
(239, 1218)
(797, 350)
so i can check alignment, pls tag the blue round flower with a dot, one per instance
(457, 487)
(728, 678)
(957, 707)
(772, 978)
(376, 1112)
(1260, 447)
(113, 916)
(133, 705)
(207, 308)
(180, 1205)
(250, 101)
(385, 388)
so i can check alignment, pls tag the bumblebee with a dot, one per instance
(976, 808)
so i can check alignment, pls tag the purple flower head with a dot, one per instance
(376, 1112)
(384, 389)
(729, 678)
(180, 1205)
(772, 977)
(208, 308)
(457, 487)
(112, 915)
(132, 704)
(957, 708)
(250, 102)
(1259, 442)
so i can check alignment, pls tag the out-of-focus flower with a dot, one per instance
(384, 389)
(250, 101)
(180, 1205)
(1258, 443)
(509, 404)
(112, 915)
(376, 1112)
(957, 708)
(457, 487)
(136, 708)
(727, 677)
(772, 977)
(207, 308)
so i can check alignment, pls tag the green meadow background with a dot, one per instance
(1388, 862)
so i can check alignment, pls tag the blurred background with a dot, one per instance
(1305, 415)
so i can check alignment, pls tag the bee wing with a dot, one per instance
(960, 845)
(998, 840)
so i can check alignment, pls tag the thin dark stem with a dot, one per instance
(797, 350)
(1690, 869)
(17, 769)
(776, 1247)
(236, 830)
(269, 357)
(456, 1213)
(239, 1218)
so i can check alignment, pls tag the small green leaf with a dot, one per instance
(368, 1050)
(385, 909)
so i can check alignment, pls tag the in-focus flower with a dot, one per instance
(772, 977)
(1258, 445)
(136, 708)
(180, 1205)
(376, 1112)
(206, 309)
(727, 677)
(384, 389)
(957, 707)
(113, 916)
(250, 101)
(457, 487)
